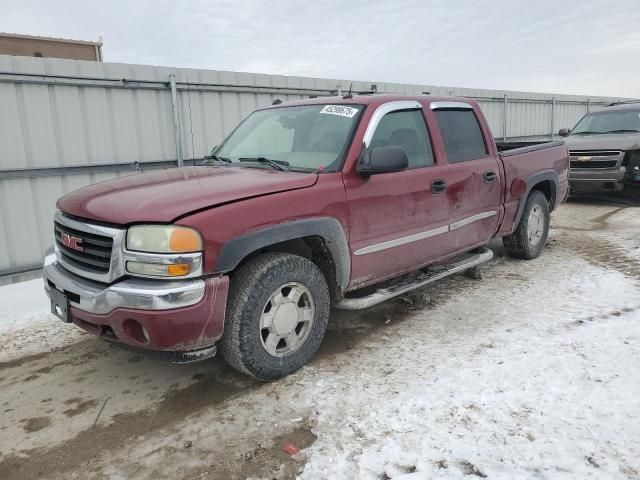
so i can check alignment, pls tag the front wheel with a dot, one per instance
(277, 314)
(529, 237)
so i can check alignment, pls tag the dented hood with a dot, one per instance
(163, 195)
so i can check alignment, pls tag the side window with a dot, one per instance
(461, 134)
(406, 129)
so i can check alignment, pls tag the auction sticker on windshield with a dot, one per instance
(339, 110)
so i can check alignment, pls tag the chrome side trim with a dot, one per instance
(116, 269)
(474, 218)
(382, 110)
(130, 293)
(451, 105)
(402, 241)
(396, 242)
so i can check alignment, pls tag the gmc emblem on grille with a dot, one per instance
(72, 242)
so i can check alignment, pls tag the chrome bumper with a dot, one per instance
(140, 294)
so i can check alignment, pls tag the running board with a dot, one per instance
(465, 262)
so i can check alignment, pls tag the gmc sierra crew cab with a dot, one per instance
(604, 149)
(342, 202)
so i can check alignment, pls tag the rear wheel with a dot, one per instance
(528, 240)
(277, 314)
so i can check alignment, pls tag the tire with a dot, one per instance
(528, 240)
(255, 339)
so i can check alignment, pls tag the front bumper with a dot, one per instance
(597, 174)
(597, 178)
(170, 316)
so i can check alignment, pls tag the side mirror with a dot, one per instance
(563, 132)
(383, 160)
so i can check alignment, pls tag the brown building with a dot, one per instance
(32, 46)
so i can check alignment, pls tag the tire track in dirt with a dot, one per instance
(219, 385)
(601, 252)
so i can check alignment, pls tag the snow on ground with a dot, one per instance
(530, 373)
(26, 324)
(23, 304)
(624, 228)
(536, 403)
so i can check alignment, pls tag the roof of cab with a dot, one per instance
(374, 99)
(627, 105)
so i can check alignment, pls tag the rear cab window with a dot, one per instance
(461, 134)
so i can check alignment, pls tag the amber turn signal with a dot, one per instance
(178, 269)
(185, 240)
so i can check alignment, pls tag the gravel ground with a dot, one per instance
(529, 373)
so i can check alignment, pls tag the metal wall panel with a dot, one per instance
(64, 113)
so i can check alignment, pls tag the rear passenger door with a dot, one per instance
(474, 178)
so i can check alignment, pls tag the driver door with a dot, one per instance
(398, 221)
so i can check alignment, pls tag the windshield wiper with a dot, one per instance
(277, 164)
(586, 132)
(623, 130)
(216, 158)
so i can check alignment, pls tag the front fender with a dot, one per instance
(329, 229)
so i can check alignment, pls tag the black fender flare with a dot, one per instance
(327, 228)
(532, 181)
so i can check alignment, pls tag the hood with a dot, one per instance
(606, 141)
(163, 195)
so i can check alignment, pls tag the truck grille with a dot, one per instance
(92, 253)
(594, 159)
(595, 153)
(593, 164)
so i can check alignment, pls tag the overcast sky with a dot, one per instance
(580, 47)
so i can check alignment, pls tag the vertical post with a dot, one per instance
(553, 113)
(339, 89)
(176, 120)
(504, 118)
(588, 105)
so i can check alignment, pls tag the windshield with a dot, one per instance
(614, 121)
(306, 138)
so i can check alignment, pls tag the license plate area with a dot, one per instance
(60, 305)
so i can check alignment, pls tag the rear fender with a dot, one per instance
(531, 181)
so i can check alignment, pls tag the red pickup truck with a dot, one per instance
(303, 206)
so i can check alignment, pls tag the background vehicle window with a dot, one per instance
(405, 129)
(614, 121)
(461, 134)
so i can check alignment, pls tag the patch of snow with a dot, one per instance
(27, 326)
(23, 304)
(623, 227)
(536, 380)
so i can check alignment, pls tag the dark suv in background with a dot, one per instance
(605, 149)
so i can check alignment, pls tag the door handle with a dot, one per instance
(438, 186)
(489, 177)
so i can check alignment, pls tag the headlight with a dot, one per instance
(159, 269)
(163, 239)
(160, 251)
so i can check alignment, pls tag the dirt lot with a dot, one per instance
(529, 373)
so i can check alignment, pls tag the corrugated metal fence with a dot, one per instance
(65, 124)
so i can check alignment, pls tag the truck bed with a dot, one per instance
(510, 146)
(533, 163)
